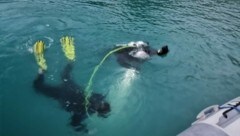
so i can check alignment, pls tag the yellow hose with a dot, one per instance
(88, 90)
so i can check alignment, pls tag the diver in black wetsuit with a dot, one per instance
(71, 97)
(141, 51)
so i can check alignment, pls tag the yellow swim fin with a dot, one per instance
(68, 47)
(38, 50)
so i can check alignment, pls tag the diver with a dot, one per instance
(69, 94)
(137, 53)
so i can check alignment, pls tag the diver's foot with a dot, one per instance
(38, 49)
(68, 47)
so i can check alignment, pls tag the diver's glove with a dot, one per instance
(38, 50)
(68, 47)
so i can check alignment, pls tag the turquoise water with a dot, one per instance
(202, 68)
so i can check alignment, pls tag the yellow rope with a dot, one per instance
(88, 90)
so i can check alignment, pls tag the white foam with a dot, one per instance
(28, 45)
(121, 90)
(30, 49)
(51, 40)
(128, 77)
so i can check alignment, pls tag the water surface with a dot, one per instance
(202, 68)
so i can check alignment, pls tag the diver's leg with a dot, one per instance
(66, 74)
(44, 88)
(38, 82)
(67, 80)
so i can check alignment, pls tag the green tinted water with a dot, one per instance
(202, 68)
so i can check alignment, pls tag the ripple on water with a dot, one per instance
(234, 61)
(202, 67)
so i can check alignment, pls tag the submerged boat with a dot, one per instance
(217, 120)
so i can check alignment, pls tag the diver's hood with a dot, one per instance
(139, 54)
(138, 44)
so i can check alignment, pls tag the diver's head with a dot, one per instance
(99, 105)
(138, 44)
(103, 109)
(163, 51)
(141, 44)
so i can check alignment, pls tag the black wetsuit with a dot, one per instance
(128, 61)
(70, 96)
